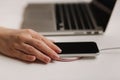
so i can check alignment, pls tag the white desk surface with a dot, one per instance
(105, 67)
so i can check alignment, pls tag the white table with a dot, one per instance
(105, 67)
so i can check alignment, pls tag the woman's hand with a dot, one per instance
(28, 45)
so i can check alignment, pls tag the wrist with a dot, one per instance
(3, 31)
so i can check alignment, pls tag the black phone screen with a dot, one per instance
(78, 47)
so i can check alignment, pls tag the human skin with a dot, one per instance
(28, 45)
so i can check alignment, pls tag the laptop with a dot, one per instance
(77, 18)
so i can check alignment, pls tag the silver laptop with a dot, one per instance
(81, 18)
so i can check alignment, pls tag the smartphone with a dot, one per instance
(78, 48)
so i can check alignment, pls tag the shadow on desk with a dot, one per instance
(40, 62)
(16, 59)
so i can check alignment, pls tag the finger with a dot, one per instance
(47, 41)
(41, 46)
(33, 51)
(52, 45)
(52, 40)
(22, 56)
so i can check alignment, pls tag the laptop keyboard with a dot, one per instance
(74, 17)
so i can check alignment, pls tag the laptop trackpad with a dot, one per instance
(39, 17)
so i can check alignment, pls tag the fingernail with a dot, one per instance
(47, 60)
(56, 57)
(59, 50)
(32, 58)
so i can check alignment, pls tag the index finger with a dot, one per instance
(47, 41)
(41, 46)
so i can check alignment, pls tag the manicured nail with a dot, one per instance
(32, 58)
(56, 57)
(59, 50)
(47, 60)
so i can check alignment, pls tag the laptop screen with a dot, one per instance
(102, 10)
